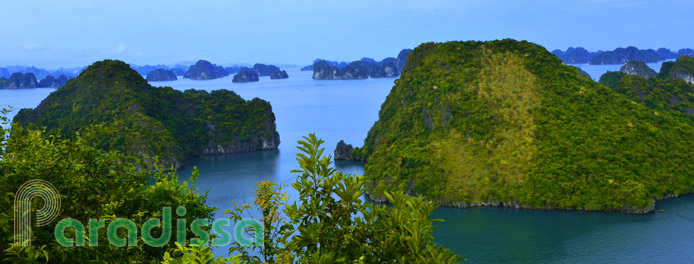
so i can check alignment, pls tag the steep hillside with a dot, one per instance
(507, 123)
(116, 109)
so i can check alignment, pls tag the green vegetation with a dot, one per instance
(93, 183)
(330, 223)
(506, 122)
(683, 66)
(114, 108)
(668, 92)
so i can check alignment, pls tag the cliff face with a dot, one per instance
(638, 68)
(323, 71)
(161, 75)
(114, 108)
(343, 151)
(508, 123)
(402, 58)
(682, 68)
(204, 70)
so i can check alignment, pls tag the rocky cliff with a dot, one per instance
(638, 68)
(682, 68)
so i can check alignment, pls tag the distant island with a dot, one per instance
(51, 81)
(361, 69)
(580, 55)
(20, 80)
(245, 75)
(114, 108)
(204, 70)
(39, 73)
(279, 75)
(506, 123)
(160, 75)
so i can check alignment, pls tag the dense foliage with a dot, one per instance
(665, 92)
(92, 184)
(506, 122)
(116, 109)
(331, 223)
(682, 68)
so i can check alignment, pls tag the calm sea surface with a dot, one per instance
(346, 110)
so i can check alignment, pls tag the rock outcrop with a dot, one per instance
(343, 151)
(682, 68)
(323, 71)
(638, 68)
(402, 58)
(19, 80)
(161, 75)
(245, 75)
(204, 70)
(386, 70)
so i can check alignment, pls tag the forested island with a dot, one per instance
(506, 123)
(113, 107)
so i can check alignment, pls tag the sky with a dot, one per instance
(70, 33)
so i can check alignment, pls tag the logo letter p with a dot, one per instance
(22, 208)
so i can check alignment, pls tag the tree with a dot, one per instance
(332, 224)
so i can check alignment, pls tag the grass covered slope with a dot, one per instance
(116, 109)
(506, 122)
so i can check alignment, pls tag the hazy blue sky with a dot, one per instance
(75, 33)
